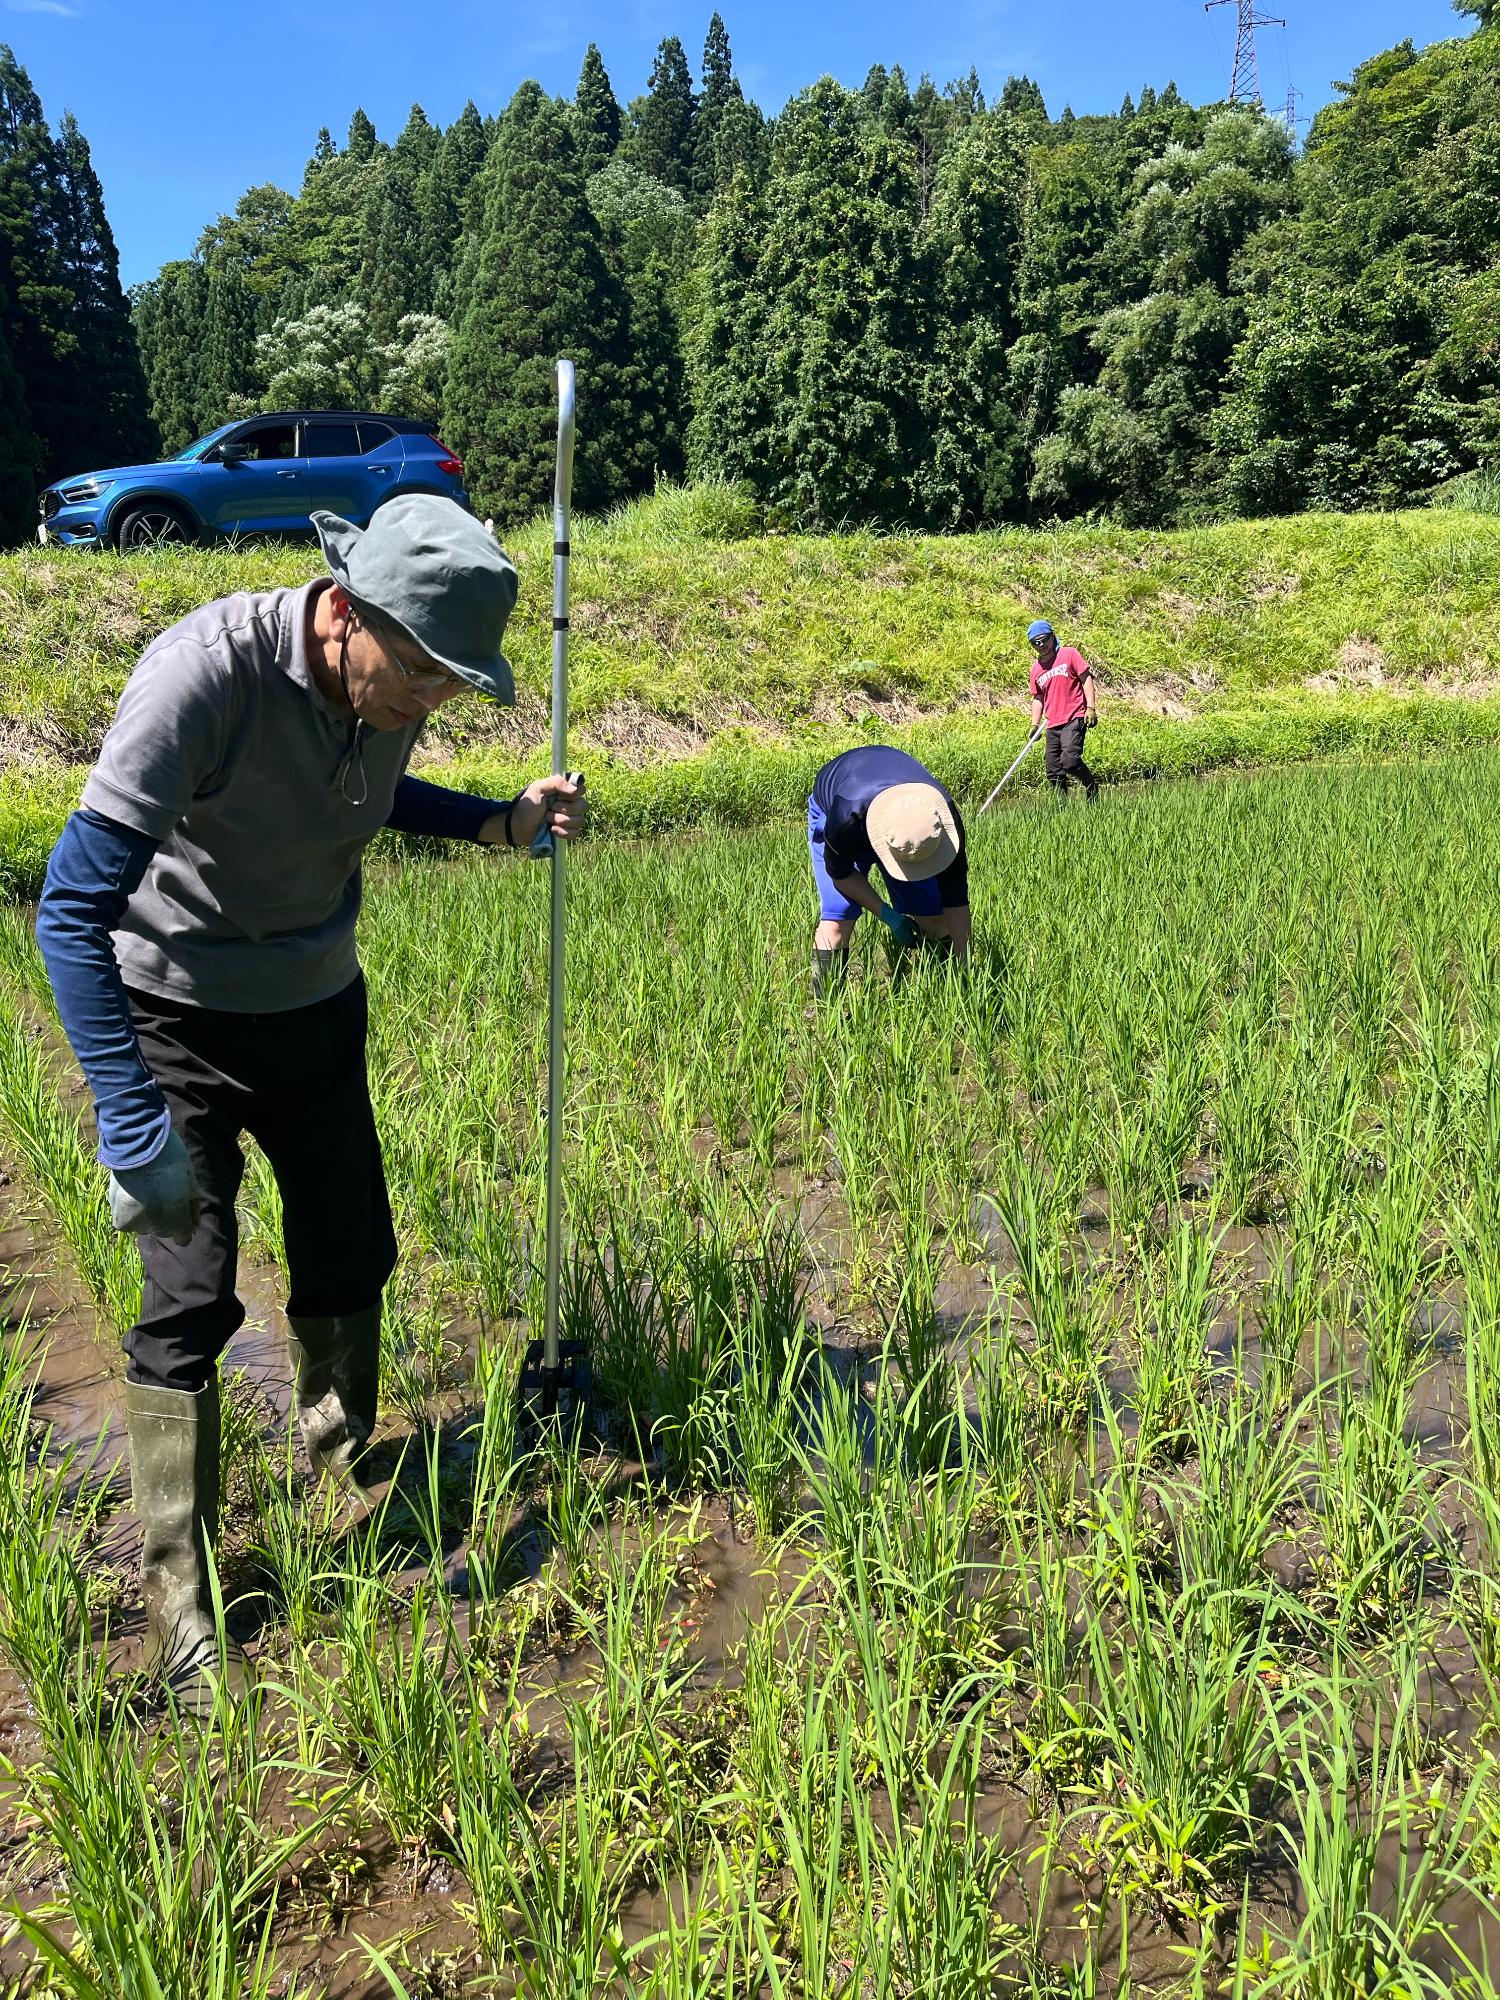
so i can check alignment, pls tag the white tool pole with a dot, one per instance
(562, 500)
(1032, 738)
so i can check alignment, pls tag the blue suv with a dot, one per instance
(262, 476)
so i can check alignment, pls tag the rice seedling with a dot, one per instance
(60, 1166)
(925, 1894)
(1033, 1567)
(1377, 1528)
(627, 1721)
(1378, 1853)
(385, 1711)
(552, 1893)
(803, 1942)
(1249, 1113)
(172, 1869)
(1057, 1727)
(1227, 1519)
(1179, 1300)
(772, 1375)
(51, 1503)
(1065, 1317)
(1182, 1743)
(1000, 1428)
(908, 1563)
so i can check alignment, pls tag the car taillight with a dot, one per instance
(448, 463)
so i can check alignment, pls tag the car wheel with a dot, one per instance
(149, 523)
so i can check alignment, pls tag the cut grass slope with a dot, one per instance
(678, 631)
(712, 670)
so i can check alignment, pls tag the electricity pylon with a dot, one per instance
(1244, 78)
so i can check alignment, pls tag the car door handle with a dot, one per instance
(383, 470)
(286, 475)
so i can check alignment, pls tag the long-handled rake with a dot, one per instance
(555, 1375)
(1034, 737)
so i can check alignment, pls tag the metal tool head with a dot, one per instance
(555, 1393)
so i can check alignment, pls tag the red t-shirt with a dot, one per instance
(1059, 688)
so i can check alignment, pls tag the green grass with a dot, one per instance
(692, 635)
(746, 781)
(678, 628)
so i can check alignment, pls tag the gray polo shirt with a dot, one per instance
(225, 752)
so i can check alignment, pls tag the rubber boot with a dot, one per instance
(174, 1476)
(336, 1372)
(830, 970)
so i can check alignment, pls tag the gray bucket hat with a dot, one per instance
(428, 566)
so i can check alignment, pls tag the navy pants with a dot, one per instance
(1064, 754)
(296, 1082)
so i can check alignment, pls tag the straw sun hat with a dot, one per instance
(913, 831)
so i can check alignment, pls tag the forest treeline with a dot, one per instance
(894, 305)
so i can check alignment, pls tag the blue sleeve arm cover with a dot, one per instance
(434, 809)
(95, 869)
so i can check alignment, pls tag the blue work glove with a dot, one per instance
(902, 929)
(160, 1198)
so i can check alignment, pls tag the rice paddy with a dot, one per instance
(1041, 1532)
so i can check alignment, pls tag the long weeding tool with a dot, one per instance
(555, 1374)
(1034, 737)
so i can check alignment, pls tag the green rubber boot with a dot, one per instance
(174, 1476)
(830, 970)
(336, 1371)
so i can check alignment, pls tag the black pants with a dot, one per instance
(296, 1082)
(1065, 760)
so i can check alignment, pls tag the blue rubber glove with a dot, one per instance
(160, 1198)
(902, 929)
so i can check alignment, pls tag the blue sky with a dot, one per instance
(188, 102)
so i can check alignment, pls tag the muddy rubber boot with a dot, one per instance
(830, 970)
(174, 1477)
(336, 1372)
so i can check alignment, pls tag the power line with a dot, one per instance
(1244, 78)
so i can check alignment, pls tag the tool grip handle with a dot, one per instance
(542, 846)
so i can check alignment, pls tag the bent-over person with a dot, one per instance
(877, 807)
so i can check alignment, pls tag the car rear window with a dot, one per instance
(373, 436)
(333, 441)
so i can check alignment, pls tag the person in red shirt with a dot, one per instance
(1062, 695)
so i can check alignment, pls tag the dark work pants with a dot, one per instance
(1065, 760)
(296, 1082)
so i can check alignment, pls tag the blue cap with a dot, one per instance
(1040, 629)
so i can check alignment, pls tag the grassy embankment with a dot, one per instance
(713, 671)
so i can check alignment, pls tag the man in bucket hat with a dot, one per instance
(198, 924)
(878, 807)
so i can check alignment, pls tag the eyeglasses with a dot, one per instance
(419, 680)
(426, 683)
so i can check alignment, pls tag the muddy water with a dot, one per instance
(376, 1896)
